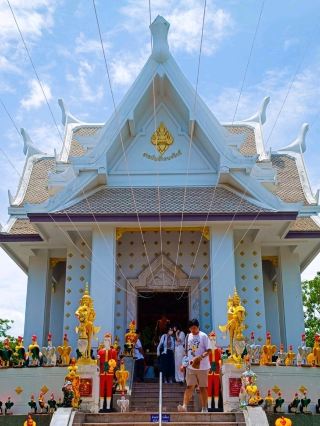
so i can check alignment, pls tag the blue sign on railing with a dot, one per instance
(154, 418)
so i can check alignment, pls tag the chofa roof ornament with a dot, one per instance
(160, 47)
(299, 144)
(260, 116)
(28, 147)
(66, 117)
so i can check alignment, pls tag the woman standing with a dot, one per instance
(179, 353)
(165, 351)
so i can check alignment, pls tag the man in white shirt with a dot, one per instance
(197, 350)
(139, 363)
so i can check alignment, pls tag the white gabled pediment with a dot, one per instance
(184, 156)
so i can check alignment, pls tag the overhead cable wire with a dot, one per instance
(91, 261)
(249, 59)
(191, 137)
(44, 95)
(35, 71)
(156, 149)
(121, 138)
(10, 117)
(299, 65)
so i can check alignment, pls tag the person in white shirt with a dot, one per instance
(165, 352)
(139, 360)
(198, 365)
(179, 353)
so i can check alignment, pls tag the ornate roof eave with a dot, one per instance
(266, 197)
(296, 150)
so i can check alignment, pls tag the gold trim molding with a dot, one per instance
(204, 231)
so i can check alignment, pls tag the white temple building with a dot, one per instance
(164, 208)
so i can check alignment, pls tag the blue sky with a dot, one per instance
(63, 41)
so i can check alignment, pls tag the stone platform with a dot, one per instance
(288, 379)
(30, 380)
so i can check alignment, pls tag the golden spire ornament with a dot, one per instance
(86, 329)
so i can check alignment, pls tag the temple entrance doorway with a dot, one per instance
(152, 305)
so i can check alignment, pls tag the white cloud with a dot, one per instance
(33, 17)
(302, 103)
(185, 17)
(82, 82)
(90, 45)
(125, 67)
(35, 98)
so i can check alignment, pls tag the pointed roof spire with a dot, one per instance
(260, 116)
(66, 117)
(28, 147)
(160, 47)
(299, 144)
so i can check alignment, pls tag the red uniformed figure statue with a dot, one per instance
(214, 373)
(107, 356)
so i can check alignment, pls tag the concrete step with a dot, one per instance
(139, 418)
(171, 424)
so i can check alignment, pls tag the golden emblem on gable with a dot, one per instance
(162, 139)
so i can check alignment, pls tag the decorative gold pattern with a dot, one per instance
(82, 266)
(256, 277)
(82, 278)
(68, 302)
(257, 301)
(66, 327)
(204, 231)
(69, 278)
(68, 290)
(18, 390)
(244, 289)
(162, 139)
(243, 277)
(67, 314)
(258, 314)
(256, 288)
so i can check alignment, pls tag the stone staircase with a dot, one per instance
(145, 397)
(145, 404)
(144, 419)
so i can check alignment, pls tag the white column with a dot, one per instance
(223, 279)
(103, 277)
(292, 296)
(37, 316)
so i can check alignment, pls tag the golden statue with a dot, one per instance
(74, 378)
(64, 351)
(235, 318)
(86, 329)
(130, 339)
(314, 357)
(267, 351)
(29, 421)
(290, 357)
(122, 376)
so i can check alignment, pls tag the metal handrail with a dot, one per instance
(160, 398)
(131, 375)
